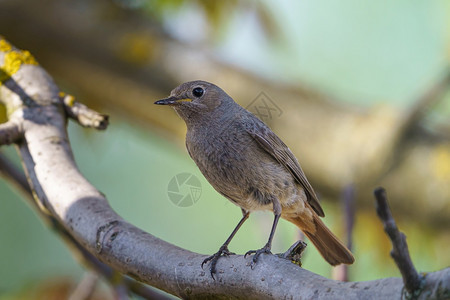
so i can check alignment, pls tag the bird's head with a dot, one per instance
(197, 98)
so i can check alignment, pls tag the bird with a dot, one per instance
(247, 163)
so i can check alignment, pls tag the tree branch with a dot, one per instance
(86, 287)
(19, 180)
(16, 178)
(340, 272)
(83, 115)
(400, 253)
(89, 220)
(10, 132)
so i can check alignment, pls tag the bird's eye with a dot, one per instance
(198, 92)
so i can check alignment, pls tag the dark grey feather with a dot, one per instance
(271, 143)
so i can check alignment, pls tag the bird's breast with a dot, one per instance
(237, 167)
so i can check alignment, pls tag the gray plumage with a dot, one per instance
(249, 165)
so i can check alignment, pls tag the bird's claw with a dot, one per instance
(257, 253)
(223, 251)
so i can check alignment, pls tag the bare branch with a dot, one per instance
(14, 176)
(10, 132)
(294, 253)
(144, 291)
(348, 205)
(86, 287)
(18, 179)
(85, 116)
(121, 292)
(412, 280)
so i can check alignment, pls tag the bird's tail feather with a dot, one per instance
(332, 250)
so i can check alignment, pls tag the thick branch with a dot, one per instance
(19, 180)
(400, 252)
(88, 218)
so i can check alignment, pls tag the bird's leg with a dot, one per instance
(223, 250)
(268, 246)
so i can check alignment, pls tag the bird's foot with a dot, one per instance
(223, 251)
(265, 249)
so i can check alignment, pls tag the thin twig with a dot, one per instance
(411, 279)
(85, 116)
(121, 292)
(10, 132)
(86, 288)
(348, 205)
(15, 176)
(349, 213)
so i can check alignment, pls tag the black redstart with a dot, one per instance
(250, 166)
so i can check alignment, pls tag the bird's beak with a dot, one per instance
(171, 101)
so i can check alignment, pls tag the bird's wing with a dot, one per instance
(273, 145)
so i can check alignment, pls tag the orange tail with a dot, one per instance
(332, 250)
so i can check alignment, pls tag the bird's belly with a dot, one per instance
(249, 177)
(253, 188)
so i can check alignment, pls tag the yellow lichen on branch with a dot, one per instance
(13, 60)
(68, 100)
(5, 46)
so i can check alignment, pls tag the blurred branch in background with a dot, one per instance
(349, 208)
(86, 287)
(121, 61)
(430, 97)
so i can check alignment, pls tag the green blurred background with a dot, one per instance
(360, 55)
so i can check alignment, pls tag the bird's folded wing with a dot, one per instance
(273, 145)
